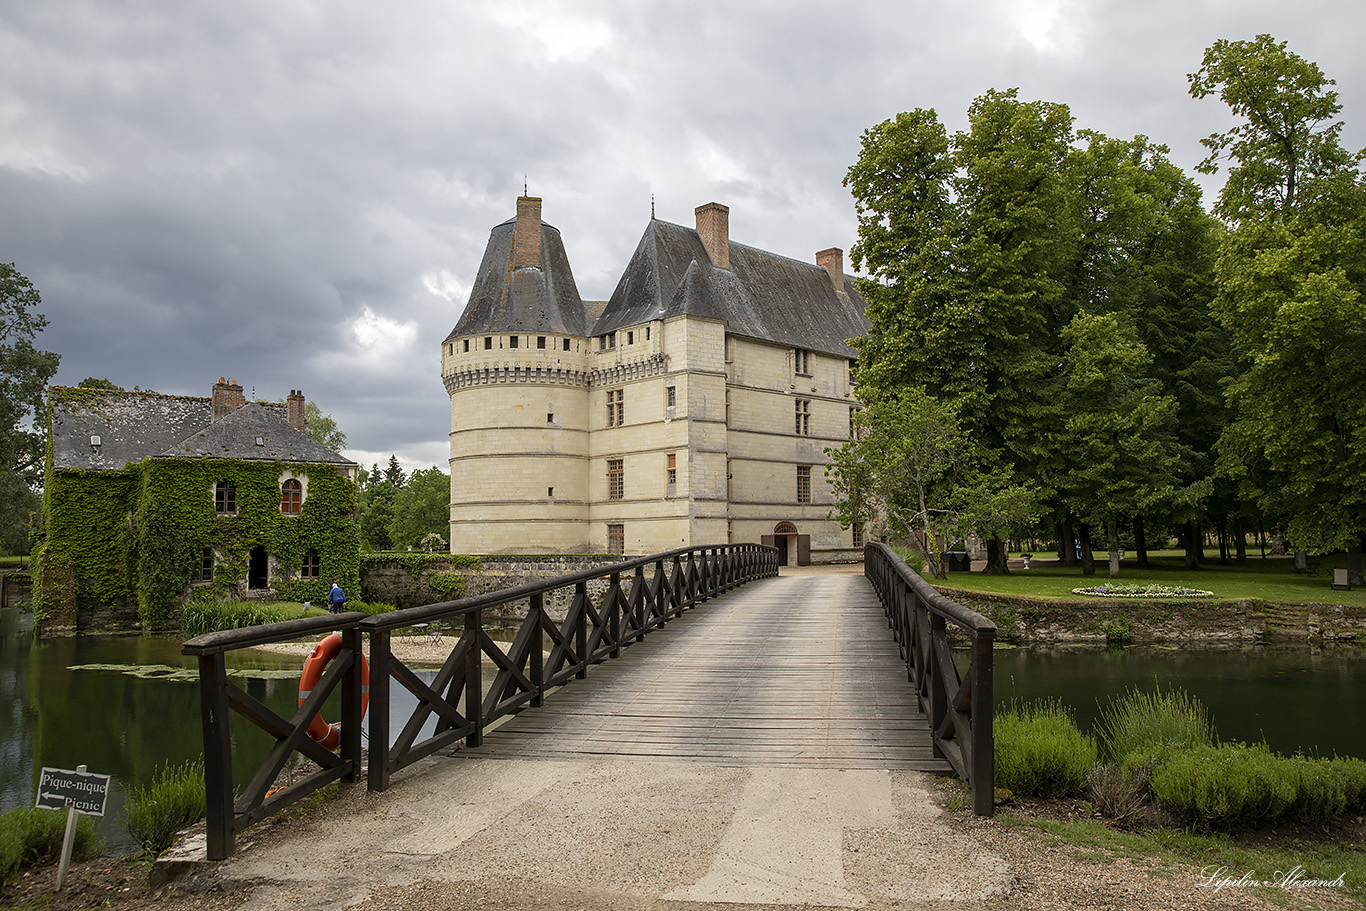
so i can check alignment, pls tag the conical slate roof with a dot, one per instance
(505, 299)
(762, 295)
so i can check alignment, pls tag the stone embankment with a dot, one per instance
(1038, 620)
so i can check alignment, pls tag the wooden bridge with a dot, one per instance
(832, 671)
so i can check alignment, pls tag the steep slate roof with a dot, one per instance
(136, 425)
(505, 299)
(762, 296)
(234, 436)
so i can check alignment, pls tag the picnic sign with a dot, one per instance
(85, 792)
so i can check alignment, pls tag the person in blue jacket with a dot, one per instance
(336, 598)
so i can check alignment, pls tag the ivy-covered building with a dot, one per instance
(152, 500)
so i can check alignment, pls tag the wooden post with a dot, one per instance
(983, 735)
(612, 604)
(213, 709)
(537, 656)
(581, 631)
(938, 707)
(642, 596)
(351, 704)
(377, 778)
(474, 684)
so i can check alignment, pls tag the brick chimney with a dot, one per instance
(713, 226)
(832, 261)
(227, 398)
(294, 410)
(526, 239)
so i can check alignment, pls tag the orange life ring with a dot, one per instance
(329, 735)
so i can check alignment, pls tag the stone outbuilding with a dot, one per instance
(151, 500)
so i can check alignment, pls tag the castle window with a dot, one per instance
(670, 396)
(467, 346)
(225, 499)
(203, 570)
(803, 483)
(802, 359)
(566, 344)
(630, 338)
(616, 415)
(312, 567)
(803, 407)
(616, 539)
(488, 343)
(512, 341)
(647, 333)
(616, 488)
(291, 497)
(857, 531)
(671, 469)
(540, 341)
(550, 417)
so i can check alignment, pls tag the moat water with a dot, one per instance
(126, 706)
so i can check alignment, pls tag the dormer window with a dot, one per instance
(94, 439)
(260, 441)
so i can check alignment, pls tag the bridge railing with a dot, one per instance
(640, 595)
(958, 705)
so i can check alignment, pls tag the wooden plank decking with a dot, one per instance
(793, 671)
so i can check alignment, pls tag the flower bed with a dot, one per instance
(1142, 591)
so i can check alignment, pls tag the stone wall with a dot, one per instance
(393, 584)
(1035, 620)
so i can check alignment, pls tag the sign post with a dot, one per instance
(78, 791)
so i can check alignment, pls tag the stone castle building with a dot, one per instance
(693, 407)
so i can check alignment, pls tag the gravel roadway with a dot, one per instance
(457, 832)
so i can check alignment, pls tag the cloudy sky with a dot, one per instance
(297, 193)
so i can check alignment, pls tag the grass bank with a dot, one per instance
(1272, 579)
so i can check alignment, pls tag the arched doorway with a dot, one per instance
(793, 549)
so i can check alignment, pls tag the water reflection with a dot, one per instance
(1296, 698)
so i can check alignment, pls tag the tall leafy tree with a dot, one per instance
(1119, 426)
(323, 427)
(1291, 272)
(24, 373)
(421, 507)
(963, 240)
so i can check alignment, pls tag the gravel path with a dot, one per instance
(535, 836)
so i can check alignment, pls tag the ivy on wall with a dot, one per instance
(138, 534)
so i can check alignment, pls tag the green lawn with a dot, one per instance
(1272, 579)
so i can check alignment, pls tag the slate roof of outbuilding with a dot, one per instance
(505, 299)
(133, 426)
(762, 295)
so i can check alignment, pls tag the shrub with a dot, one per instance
(1117, 791)
(1353, 774)
(31, 837)
(1232, 784)
(198, 618)
(1139, 721)
(174, 800)
(1040, 751)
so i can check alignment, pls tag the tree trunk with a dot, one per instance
(1088, 560)
(1112, 533)
(1140, 543)
(1239, 541)
(1189, 534)
(1067, 544)
(1261, 536)
(1221, 536)
(1354, 574)
(996, 558)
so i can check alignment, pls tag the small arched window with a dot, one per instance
(291, 497)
